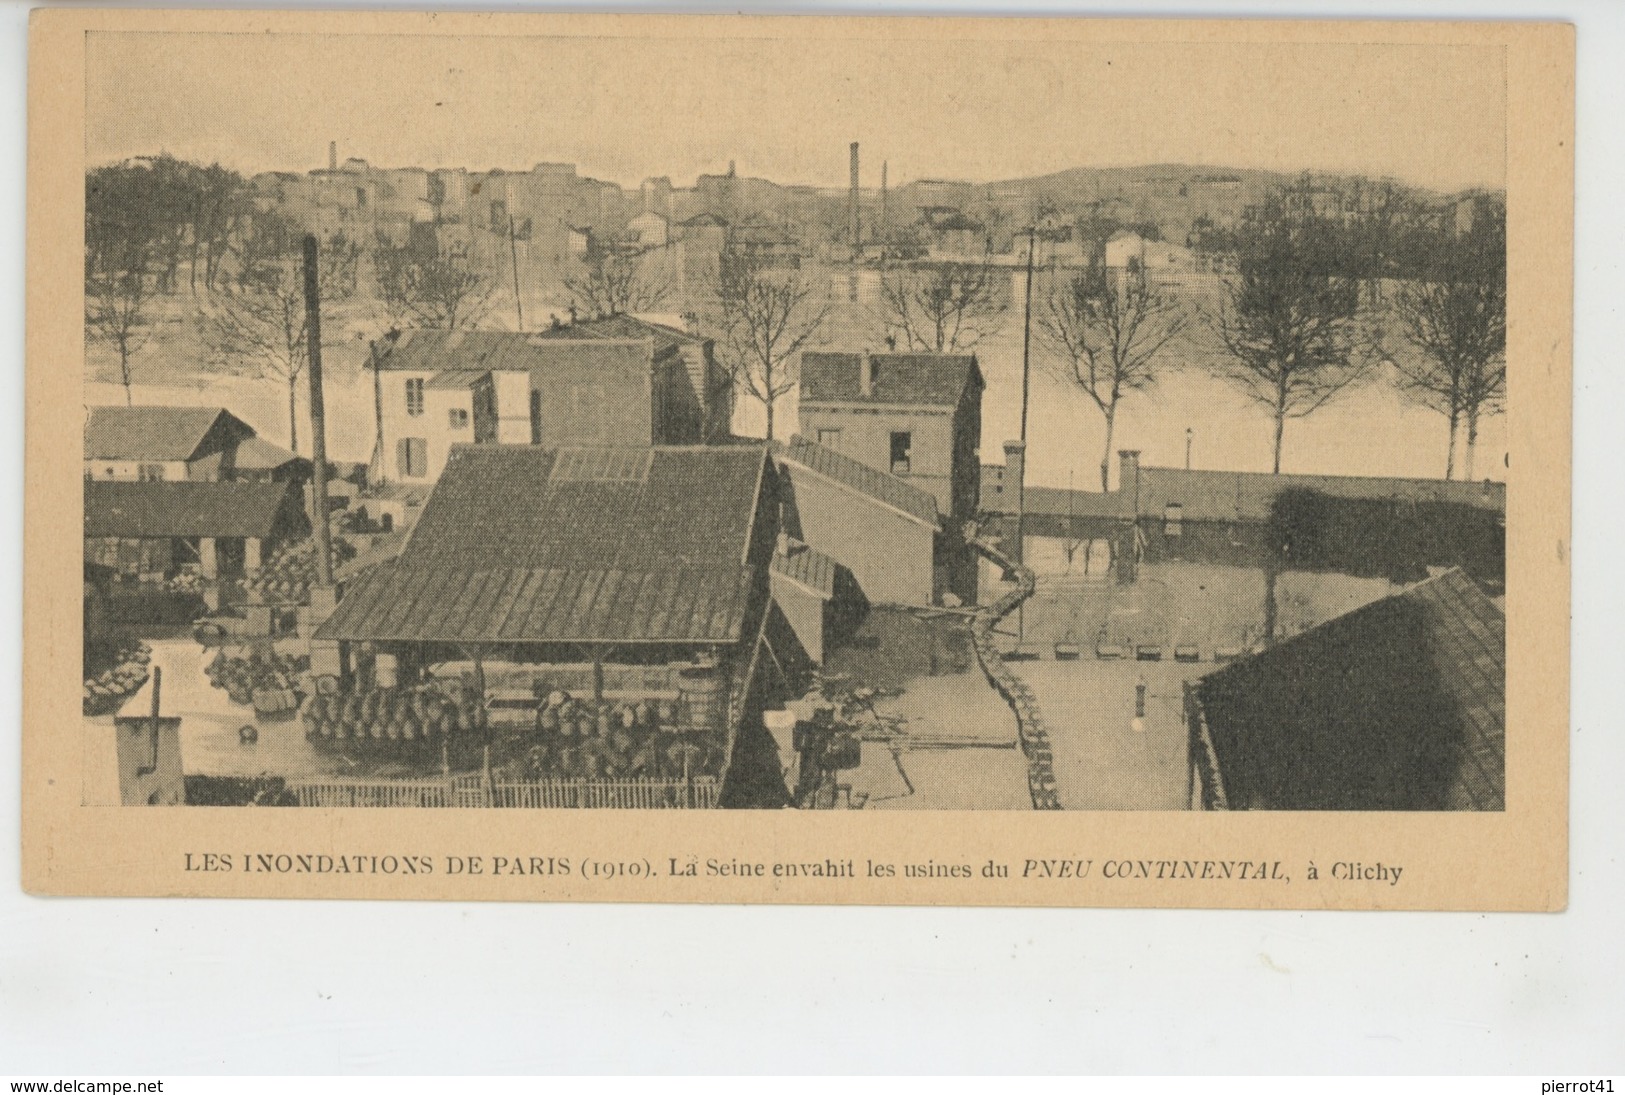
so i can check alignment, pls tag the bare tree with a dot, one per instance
(941, 307)
(118, 296)
(1288, 324)
(123, 239)
(1454, 320)
(767, 315)
(613, 281)
(259, 316)
(1108, 334)
(423, 288)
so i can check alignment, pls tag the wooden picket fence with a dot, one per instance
(467, 791)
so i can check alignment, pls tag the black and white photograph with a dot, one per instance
(811, 427)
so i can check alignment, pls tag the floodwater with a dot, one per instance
(210, 743)
(1369, 431)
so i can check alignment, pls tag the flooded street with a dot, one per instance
(210, 744)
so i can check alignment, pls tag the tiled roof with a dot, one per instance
(806, 566)
(1248, 496)
(394, 602)
(162, 509)
(152, 433)
(921, 505)
(1400, 704)
(624, 328)
(524, 351)
(525, 544)
(502, 506)
(924, 380)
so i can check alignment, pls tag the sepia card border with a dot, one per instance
(1512, 860)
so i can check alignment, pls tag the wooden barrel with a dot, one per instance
(700, 690)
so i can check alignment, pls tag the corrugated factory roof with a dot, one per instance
(161, 509)
(806, 566)
(1411, 688)
(393, 602)
(524, 544)
(925, 380)
(499, 506)
(152, 433)
(484, 351)
(905, 497)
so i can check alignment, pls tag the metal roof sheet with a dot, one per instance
(500, 506)
(162, 509)
(394, 602)
(806, 566)
(915, 502)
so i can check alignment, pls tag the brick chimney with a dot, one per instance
(691, 322)
(1015, 472)
(1128, 471)
(866, 375)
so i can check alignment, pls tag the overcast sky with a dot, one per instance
(624, 109)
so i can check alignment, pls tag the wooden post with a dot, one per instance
(318, 417)
(157, 688)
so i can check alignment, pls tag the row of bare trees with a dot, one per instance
(1292, 330)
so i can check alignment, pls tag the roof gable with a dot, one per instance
(156, 433)
(920, 379)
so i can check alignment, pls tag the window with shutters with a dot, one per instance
(412, 458)
(414, 396)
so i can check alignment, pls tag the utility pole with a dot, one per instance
(1026, 388)
(513, 251)
(377, 409)
(1027, 335)
(318, 417)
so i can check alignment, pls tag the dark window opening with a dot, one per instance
(901, 443)
(414, 396)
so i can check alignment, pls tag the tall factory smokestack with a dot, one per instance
(852, 202)
(332, 155)
(881, 231)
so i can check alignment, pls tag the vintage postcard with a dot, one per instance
(937, 461)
